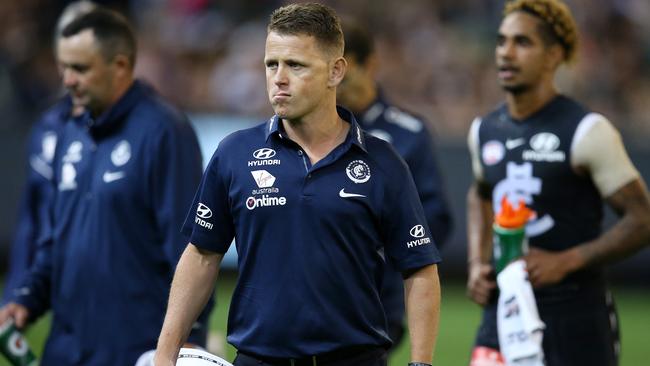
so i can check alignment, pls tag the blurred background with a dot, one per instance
(436, 59)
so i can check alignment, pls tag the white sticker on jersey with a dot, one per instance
(492, 152)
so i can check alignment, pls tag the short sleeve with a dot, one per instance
(209, 224)
(407, 238)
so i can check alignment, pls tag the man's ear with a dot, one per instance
(336, 72)
(122, 64)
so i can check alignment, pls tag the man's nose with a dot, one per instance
(280, 77)
(69, 78)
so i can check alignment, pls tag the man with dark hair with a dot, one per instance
(563, 161)
(316, 207)
(410, 137)
(123, 173)
(40, 148)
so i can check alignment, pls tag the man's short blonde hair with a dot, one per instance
(311, 19)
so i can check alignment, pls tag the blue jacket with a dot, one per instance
(410, 137)
(121, 186)
(40, 151)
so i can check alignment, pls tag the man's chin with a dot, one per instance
(514, 88)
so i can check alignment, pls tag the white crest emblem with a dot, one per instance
(121, 153)
(358, 171)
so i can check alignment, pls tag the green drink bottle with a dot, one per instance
(510, 241)
(14, 346)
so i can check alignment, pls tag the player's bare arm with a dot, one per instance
(629, 235)
(479, 238)
(187, 297)
(422, 297)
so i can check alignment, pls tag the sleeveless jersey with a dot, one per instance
(530, 160)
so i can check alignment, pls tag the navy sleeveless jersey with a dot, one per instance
(530, 160)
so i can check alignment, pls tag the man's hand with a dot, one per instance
(480, 283)
(16, 311)
(547, 268)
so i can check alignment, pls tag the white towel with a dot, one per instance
(518, 323)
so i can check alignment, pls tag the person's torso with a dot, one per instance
(530, 160)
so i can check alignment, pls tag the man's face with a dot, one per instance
(353, 88)
(296, 74)
(87, 76)
(520, 53)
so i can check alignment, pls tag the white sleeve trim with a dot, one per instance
(598, 147)
(473, 144)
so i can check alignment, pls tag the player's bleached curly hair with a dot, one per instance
(558, 23)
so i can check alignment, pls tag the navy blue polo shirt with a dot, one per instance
(311, 240)
(36, 193)
(121, 186)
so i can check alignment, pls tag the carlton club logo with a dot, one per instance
(358, 171)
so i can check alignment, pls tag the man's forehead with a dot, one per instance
(296, 44)
(519, 24)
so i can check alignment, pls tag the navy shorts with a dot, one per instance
(581, 328)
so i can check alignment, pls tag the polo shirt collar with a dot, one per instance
(355, 134)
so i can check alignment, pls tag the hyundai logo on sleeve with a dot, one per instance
(203, 211)
(418, 232)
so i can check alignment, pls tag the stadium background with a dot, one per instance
(436, 59)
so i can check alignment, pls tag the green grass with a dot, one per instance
(459, 319)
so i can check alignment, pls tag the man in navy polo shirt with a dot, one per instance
(316, 207)
(410, 137)
(123, 175)
(40, 149)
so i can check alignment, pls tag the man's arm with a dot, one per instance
(599, 152)
(629, 235)
(480, 216)
(422, 298)
(191, 288)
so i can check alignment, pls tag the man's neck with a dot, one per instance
(523, 105)
(318, 134)
(121, 89)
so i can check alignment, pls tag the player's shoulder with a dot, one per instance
(56, 115)
(244, 139)
(403, 119)
(383, 154)
(151, 108)
(497, 113)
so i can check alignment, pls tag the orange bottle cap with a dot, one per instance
(510, 218)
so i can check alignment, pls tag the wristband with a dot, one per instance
(418, 364)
